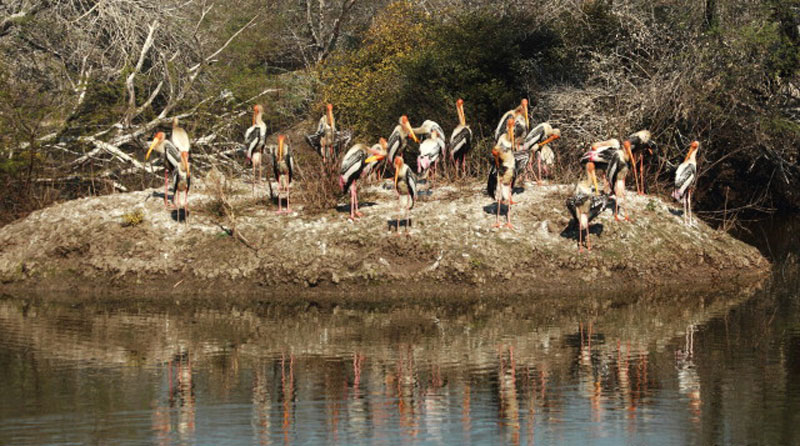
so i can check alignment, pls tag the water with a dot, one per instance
(664, 367)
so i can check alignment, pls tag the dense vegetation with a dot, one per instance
(725, 72)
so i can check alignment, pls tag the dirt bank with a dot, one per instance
(83, 244)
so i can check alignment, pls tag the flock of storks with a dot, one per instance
(516, 146)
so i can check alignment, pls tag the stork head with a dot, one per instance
(257, 110)
(158, 138)
(510, 130)
(174, 122)
(281, 141)
(383, 143)
(692, 149)
(407, 126)
(329, 107)
(524, 105)
(377, 154)
(460, 109)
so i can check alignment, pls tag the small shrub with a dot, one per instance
(133, 218)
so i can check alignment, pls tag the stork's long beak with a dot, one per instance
(549, 139)
(374, 158)
(411, 134)
(185, 162)
(461, 118)
(152, 146)
(594, 180)
(527, 121)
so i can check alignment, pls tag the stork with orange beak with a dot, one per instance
(537, 141)
(397, 140)
(283, 168)
(460, 140)
(643, 145)
(255, 139)
(601, 153)
(685, 177)
(171, 155)
(355, 163)
(616, 172)
(521, 122)
(585, 204)
(504, 162)
(405, 184)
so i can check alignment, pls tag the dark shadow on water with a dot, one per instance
(346, 207)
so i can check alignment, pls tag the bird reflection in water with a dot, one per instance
(261, 404)
(688, 379)
(180, 394)
(509, 405)
(287, 389)
(406, 382)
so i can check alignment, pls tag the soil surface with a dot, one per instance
(84, 245)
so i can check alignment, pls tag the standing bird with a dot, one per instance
(537, 140)
(255, 139)
(601, 153)
(685, 177)
(504, 163)
(283, 168)
(430, 150)
(172, 158)
(616, 172)
(460, 139)
(179, 137)
(397, 140)
(584, 204)
(324, 138)
(521, 122)
(181, 182)
(405, 184)
(354, 163)
(643, 145)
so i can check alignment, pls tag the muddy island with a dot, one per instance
(130, 243)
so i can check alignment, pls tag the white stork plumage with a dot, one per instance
(355, 164)
(460, 139)
(255, 139)
(283, 168)
(430, 150)
(537, 141)
(685, 177)
(396, 143)
(521, 122)
(405, 184)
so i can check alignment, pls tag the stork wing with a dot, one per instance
(394, 144)
(460, 141)
(411, 181)
(172, 156)
(684, 176)
(501, 126)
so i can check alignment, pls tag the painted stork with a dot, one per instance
(354, 164)
(172, 159)
(430, 150)
(584, 204)
(504, 162)
(397, 140)
(460, 139)
(643, 145)
(601, 153)
(521, 122)
(255, 139)
(685, 177)
(283, 168)
(537, 141)
(617, 172)
(405, 184)
(324, 138)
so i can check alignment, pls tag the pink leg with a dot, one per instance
(288, 209)
(539, 167)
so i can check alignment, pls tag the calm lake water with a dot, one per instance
(650, 368)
